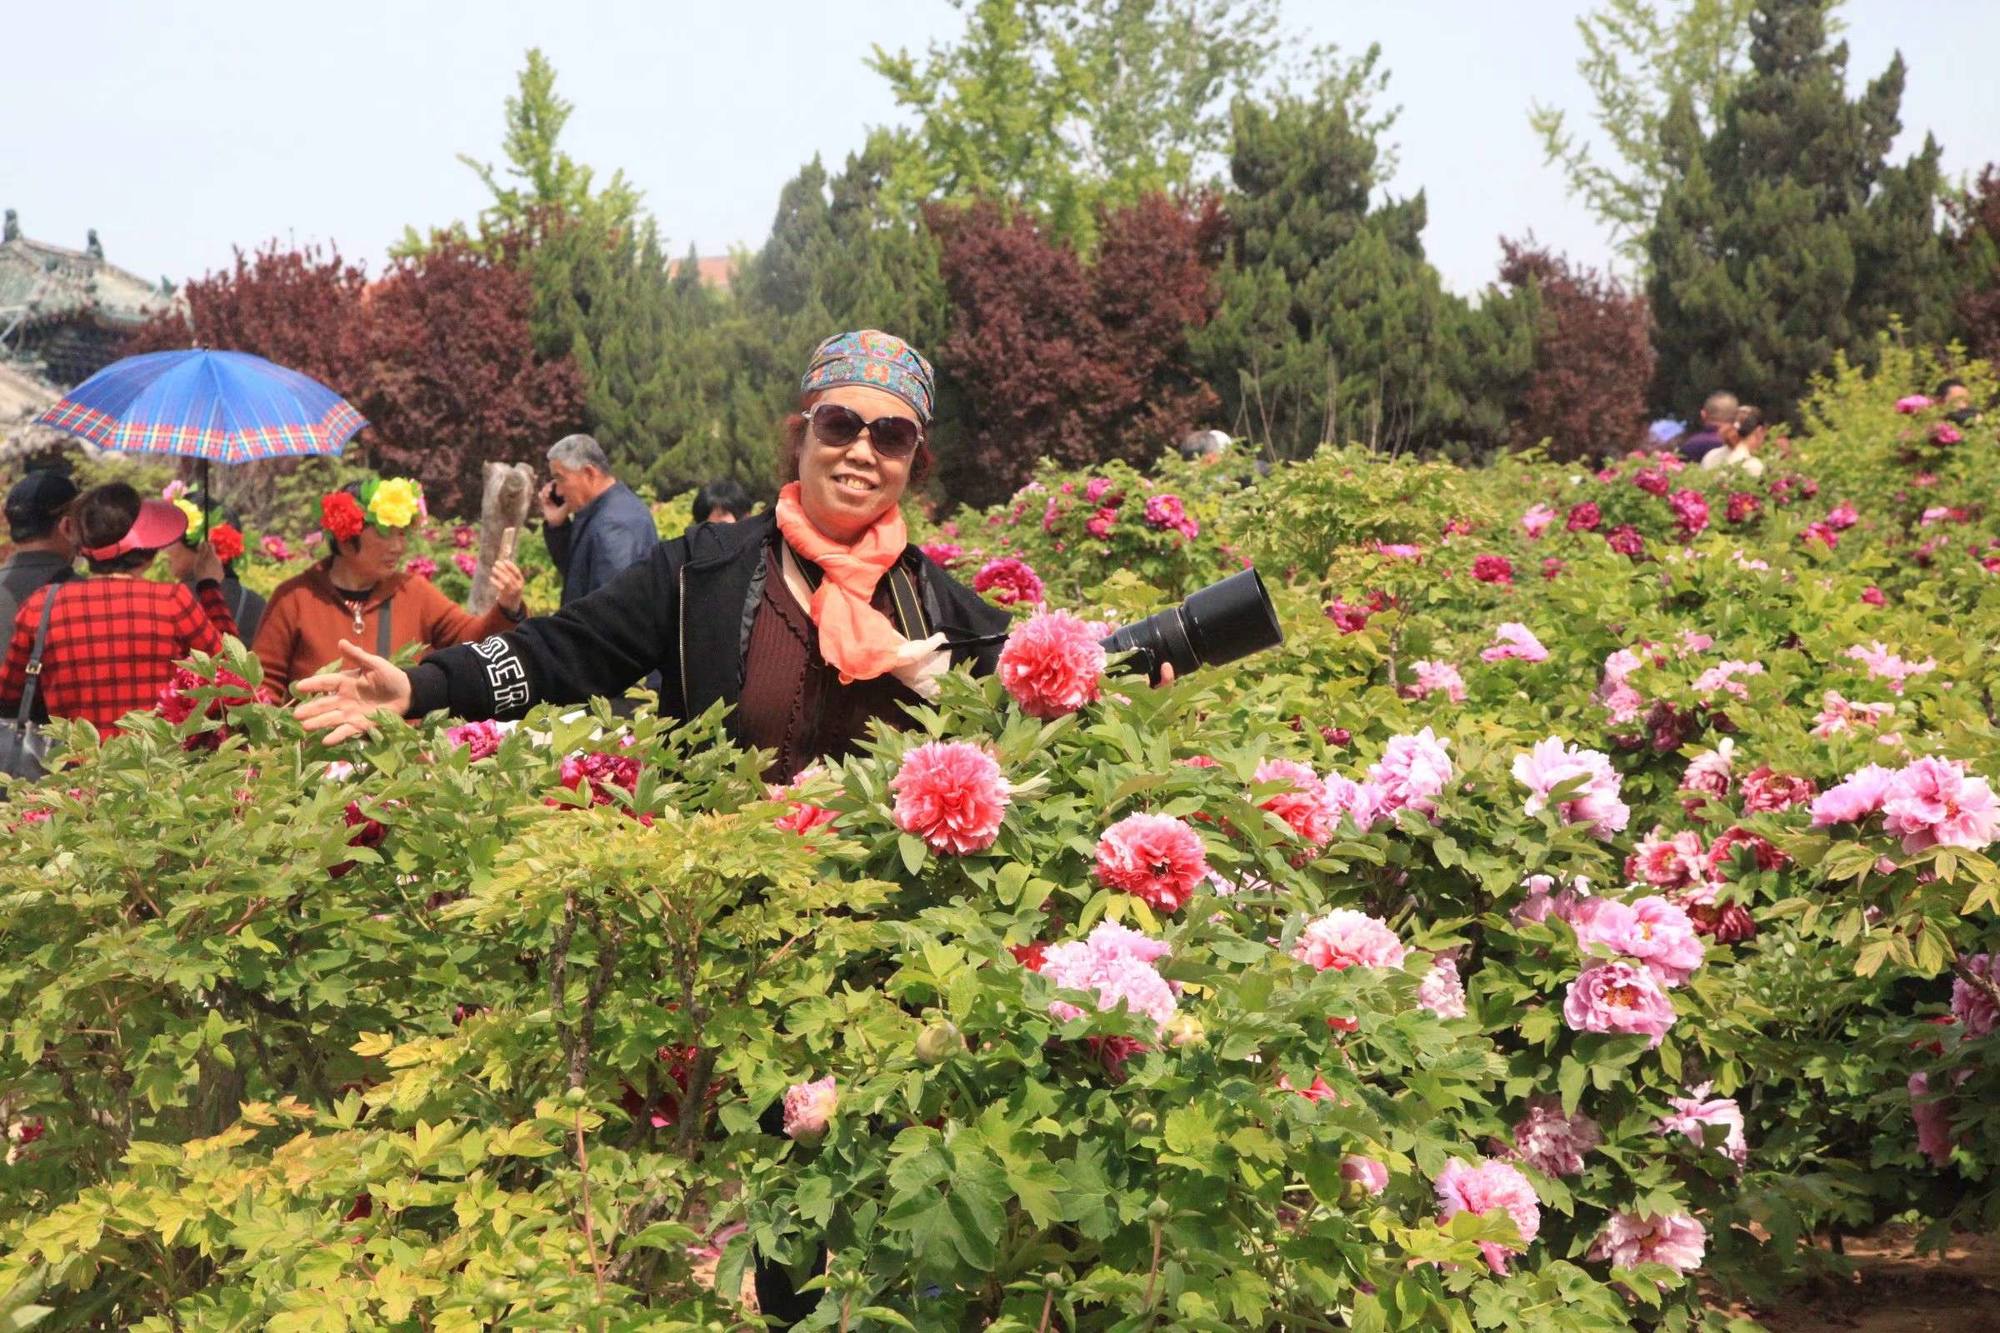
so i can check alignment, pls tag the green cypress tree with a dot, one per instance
(1785, 235)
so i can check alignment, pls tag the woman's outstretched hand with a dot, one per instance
(344, 704)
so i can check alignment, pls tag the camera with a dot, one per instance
(1220, 623)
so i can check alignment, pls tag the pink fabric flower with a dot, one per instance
(1432, 677)
(943, 554)
(1693, 1114)
(1052, 664)
(1583, 517)
(1010, 580)
(1675, 1241)
(1536, 521)
(1934, 803)
(1551, 763)
(1345, 938)
(1551, 1142)
(1116, 965)
(1667, 861)
(1972, 1005)
(1309, 807)
(481, 738)
(951, 794)
(1618, 996)
(1412, 771)
(1493, 569)
(1441, 991)
(1855, 798)
(1765, 791)
(809, 1107)
(1481, 1189)
(1370, 1174)
(1514, 640)
(1157, 858)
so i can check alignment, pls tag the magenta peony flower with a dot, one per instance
(1493, 569)
(1842, 516)
(1481, 1189)
(1690, 511)
(1116, 965)
(1675, 1241)
(1370, 1174)
(1821, 533)
(1583, 517)
(1166, 512)
(1972, 1005)
(422, 566)
(1933, 803)
(1619, 997)
(1099, 524)
(467, 563)
(1411, 773)
(1551, 763)
(1345, 938)
(1933, 1120)
(1433, 677)
(274, 546)
(809, 1107)
(462, 537)
(1551, 1142)
(1741, 508)
(1911, 404)
(1010, 580)
(1667, 861)
(1946, 433)
(1156, 858)
(1052, 665)
(1441, 991)
(1694, 1113)
(1514, 640)
(951, 794)
(943, 554)
(481, 738)
(1856, 797)
(1651, 480)
(1536, 521)
(1347, 619)
(1626, 541)
(1097, 488)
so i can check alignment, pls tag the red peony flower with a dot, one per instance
(1743, 507)
(1652, 481)
(1722, 852)
(1031, 955)
(1052, 665)
(1764, 790)
(1493, 569)
(1584, 517)
(1010, 580)
(227, 540)
(368, 833)
(340, 514)
(1625, 540)
(1156, 858)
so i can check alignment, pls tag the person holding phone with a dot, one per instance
(596, 527)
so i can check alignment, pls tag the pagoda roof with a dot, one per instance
(41, 283)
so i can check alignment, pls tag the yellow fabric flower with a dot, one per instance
(194, 517)
(395, 503)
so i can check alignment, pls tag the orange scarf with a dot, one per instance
(857, 640)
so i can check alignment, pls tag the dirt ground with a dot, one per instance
(1896, 1290)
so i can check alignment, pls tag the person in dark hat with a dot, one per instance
(113, 638)
(44, 539)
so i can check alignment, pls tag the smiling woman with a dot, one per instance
(810, 621)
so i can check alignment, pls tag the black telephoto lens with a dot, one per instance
(1218, 624)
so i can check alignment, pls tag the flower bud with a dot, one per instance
(939, 1042)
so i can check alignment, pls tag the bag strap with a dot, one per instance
(382, 628)
(29, 690)
(236, 607)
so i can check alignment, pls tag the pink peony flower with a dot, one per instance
(1842, 516)
(1934, 803)
(1933, 1120)
(595, 774)
(1708, 772)
(951, 794)
(1543, 901)
(1514, 640)
(1536, 521)
(1651, 480)
(421, 566)
(1370, 1174)
(1764, 790)
(1481, 1189)
(1972, 1005)
(1626, 541)
(1838, 714)
(1675, 1241)
(1099, 524)
(943, 554)
(1156, 858)
(1719, 679)
(1583, 517)
(809, 1107)
(1653, 930)
(1551, 764)
(1856, 797)
(1619, 997)
(1166, 512)
(1493, 569)
(274, 546)
(1911, 404)
(1741, 508)
(1052, 664)
(1411, 772)
(462, 537)
(1722, 854)
(481, 738)
(1399, 550)
(1010, 580)
(1551, 1142)
(1433, 677)
(1345, 938)
(1946, 433)
(1309, 807)
(1441, 991)
(1319, 1090)
(1690, 511)
(1693, 1114)
(467, 564)
(1116, 964)
(1885, 665)
(1667, 861)
(1347, 619)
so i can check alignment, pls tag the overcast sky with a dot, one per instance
(179, 129)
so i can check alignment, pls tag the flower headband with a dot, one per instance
(227, 538)
(391, 502)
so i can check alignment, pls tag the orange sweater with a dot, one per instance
(306, 621)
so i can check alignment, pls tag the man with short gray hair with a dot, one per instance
(597, 528)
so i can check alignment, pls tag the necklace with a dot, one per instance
(354, 602)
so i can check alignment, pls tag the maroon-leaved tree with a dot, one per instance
(451, 378)
(1050, 357)
(1593, 357)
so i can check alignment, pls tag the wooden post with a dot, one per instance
(503, 504)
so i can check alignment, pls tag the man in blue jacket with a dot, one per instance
(597, 528)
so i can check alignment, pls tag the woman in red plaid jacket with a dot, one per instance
(114, 637)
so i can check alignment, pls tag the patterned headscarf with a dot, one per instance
(876, 359)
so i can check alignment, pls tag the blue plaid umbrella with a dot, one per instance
(223, 407)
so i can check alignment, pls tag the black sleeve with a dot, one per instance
(600, 645)
(556, 537)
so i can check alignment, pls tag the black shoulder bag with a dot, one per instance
(24, 745)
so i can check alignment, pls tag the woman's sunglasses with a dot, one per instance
(892, 437)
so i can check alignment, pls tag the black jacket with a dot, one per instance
(684, 612)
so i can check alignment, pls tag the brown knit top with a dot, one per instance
(792, 700)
